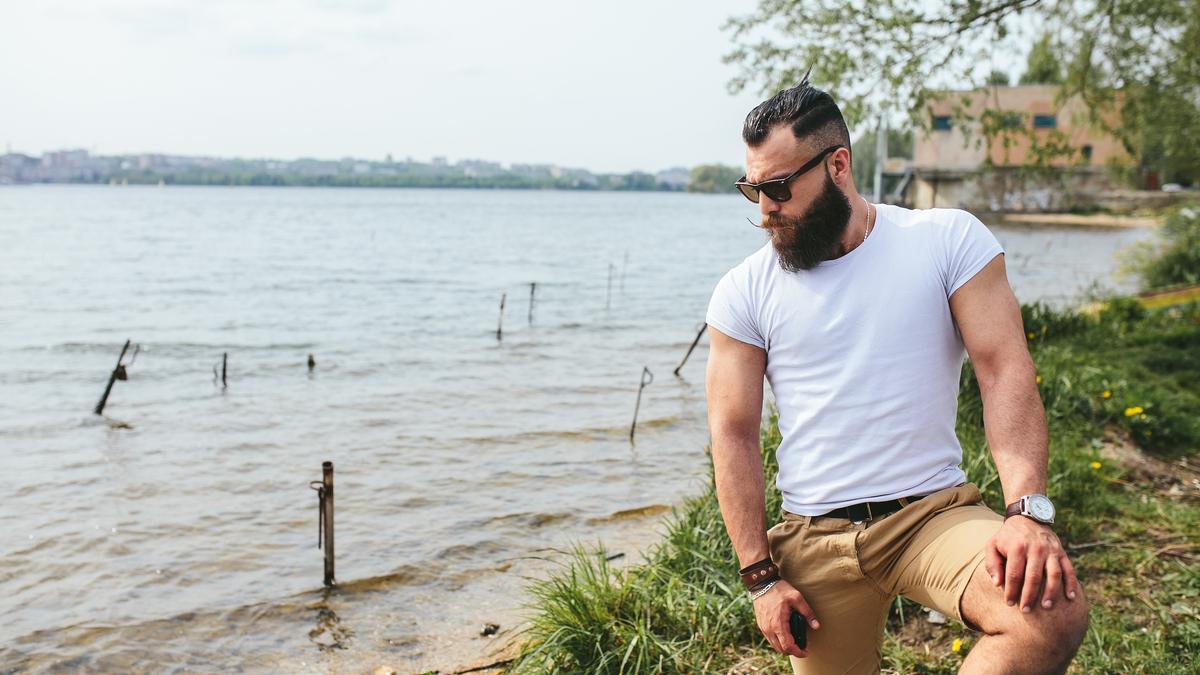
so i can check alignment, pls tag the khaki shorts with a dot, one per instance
(850, 573)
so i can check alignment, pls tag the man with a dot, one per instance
(858, 315)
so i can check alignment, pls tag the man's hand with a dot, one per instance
(773, 612)
(1026, 558)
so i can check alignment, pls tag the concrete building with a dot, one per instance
(960, 167)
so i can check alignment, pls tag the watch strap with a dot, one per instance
(1015, 509)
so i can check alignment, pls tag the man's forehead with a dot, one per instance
(778, 155)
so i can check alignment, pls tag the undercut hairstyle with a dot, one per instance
(810, 112)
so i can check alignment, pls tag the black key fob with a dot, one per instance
(799, 628)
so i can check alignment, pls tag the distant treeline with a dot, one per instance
(713, 178)
(632, 182)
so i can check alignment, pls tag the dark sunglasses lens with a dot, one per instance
(748, 192)
(777, 190)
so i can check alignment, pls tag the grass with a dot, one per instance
(1123, 407)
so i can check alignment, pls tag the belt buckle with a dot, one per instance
(870, 516)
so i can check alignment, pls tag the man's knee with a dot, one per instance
(1053, 636)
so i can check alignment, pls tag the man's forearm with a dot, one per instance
(737, 467)
(1015, 422)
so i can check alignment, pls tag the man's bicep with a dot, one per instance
(989, 318)
(734, 383)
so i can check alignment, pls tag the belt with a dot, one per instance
(869, 510)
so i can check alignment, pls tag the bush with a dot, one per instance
(1175, 259)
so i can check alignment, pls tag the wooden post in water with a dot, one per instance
(532, 288)
(645, 372)
(118, 373)
(624, 265)
(500, 323)
(224, 367)
(327, 517)
(703, 327)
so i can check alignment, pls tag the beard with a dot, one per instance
(804, 241)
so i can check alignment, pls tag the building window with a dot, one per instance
(941, 123)
(1012, 121)
(1087, 152)
(1044, 122)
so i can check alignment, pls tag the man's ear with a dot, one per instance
(841, 167)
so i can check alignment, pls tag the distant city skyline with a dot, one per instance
(616, 87)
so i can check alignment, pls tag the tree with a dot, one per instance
(1138, 60)
(998, 78)
(1042, 65)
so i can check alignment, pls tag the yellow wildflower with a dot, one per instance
(957, 646)
(1106, 394)
(1096, 465)
(1038, 379)
(1032, 335)
(1135, 410)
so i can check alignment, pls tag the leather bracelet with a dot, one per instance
(764, 582)
(759, 573)
(753, 566)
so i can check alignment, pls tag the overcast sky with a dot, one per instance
(608, 86)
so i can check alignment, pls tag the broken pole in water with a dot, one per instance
(312, 363)
(224, 369)
(118, 373)
(703, 327)
(324, 488)
(532, 288)
(645, 372)
(500, 323)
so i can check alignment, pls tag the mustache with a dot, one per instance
(769, 223)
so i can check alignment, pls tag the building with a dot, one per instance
(958, 166)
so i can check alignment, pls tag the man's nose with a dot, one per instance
(766, 205)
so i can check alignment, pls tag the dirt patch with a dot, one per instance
(1175, 480)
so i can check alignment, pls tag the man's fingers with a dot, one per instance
(773, 638)
(1070, 581)
(1054, 574)
(787, 645)
(801, 605)
(1035, 571)
(995, 564)
(1014, 567)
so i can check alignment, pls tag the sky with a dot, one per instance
(617, 85)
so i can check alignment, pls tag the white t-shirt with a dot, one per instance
(863, 357)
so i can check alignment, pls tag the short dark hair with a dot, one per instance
(810, 112)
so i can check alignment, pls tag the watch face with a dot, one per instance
(1041, 508)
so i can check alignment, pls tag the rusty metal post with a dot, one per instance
(703, 327)
(327, 480)
(118, 373)
(645, 382)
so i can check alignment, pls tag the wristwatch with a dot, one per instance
(1037, 507)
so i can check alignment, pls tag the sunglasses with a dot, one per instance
(777, 189)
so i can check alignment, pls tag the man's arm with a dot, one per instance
(1025, 553)
(734, 383)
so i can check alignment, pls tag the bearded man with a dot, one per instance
(858, 315)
